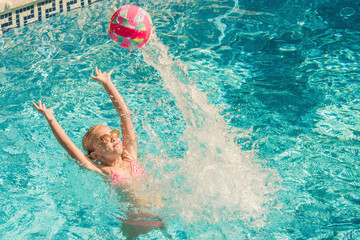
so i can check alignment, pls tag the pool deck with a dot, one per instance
(11, 4)
(18, 13)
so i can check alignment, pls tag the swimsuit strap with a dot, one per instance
(113, 174)
(134, 167)
(136, 170)
(132, 164)
(111, 170)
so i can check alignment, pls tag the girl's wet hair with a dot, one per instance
(87, 144)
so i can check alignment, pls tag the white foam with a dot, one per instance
(216, 180)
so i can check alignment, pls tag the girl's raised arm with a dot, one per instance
(64, 140)
(127, 128)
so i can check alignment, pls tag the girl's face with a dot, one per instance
(107, 142)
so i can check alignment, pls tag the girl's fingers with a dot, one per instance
(34, 105)
(98, 72)
(95, 78)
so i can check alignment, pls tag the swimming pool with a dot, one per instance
(247, 115)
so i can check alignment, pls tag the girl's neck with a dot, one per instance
(120, 163)
(117, 162)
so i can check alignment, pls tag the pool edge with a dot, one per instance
(18, 14)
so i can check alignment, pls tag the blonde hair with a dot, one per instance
(87, 142)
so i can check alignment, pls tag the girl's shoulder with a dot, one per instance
(128, 156)
(106, 170)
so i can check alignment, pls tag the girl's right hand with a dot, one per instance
(102, 77)
(43, 110)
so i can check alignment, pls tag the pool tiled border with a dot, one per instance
(36, 10)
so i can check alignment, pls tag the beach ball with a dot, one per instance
(130, 26)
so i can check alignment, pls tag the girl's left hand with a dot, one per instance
(102, 77)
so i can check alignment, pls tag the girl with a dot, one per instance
(106, 154)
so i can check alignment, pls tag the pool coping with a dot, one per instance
(18, 13)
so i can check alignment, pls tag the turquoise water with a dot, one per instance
(247, 116)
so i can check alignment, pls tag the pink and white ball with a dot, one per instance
(130, 26)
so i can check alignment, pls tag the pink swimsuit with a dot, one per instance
(136, 172)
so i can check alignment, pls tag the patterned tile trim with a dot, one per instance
(37, 11)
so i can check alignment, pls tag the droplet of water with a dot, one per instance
(347, 12)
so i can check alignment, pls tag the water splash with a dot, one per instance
(215, 180)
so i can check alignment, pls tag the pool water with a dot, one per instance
(247, 115)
